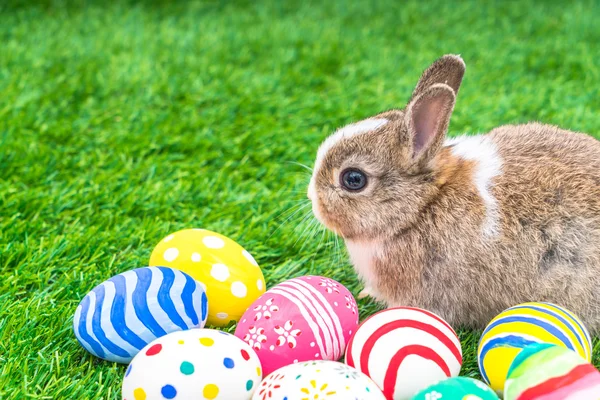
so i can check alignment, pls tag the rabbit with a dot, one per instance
(464, 227)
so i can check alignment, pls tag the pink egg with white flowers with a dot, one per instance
(301, 319)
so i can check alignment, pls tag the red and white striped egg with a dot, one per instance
(301, 319)
(404, 350)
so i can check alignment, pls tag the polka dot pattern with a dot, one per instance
(186, 368)
(228, 363)
(220, 272)
(153, 350)
(239, 289)
(196, 363)
(210, 391)
(228, 272)
(170, 254)
(139, 394)
(213, 242)
(245, 354)
(168, 392)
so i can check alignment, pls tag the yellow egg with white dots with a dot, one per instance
(231, 276)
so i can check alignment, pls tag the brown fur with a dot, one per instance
(420, 218)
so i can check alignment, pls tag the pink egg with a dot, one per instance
(301, 319)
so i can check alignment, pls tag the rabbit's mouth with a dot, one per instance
(320, 215)
(316, 210)
(326, 220)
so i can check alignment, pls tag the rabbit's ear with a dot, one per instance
(427, 118)
(448, 70)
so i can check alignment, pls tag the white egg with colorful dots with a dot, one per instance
(320, 379)
(228, 272)
(193, 364)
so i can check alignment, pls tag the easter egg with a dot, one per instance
(320, 379)
(522, 325)
(301, 319)
(230, 275)
(120, 316)
(405, 350)
(193, 364)
(457, 388)
(545, 371)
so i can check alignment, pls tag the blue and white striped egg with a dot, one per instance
(122, 315)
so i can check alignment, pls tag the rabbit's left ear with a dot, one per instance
(427, 118)
(448, 70)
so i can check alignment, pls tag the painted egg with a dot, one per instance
(457, 388)
(320, 379)
(193, 364)
(522, 325)
(123, 314)
(301, 319)
(550, 372)
(405, 350)
(230, 275)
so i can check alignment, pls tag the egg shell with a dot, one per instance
(522, 325)
(301, 319)
(460, 388)
(550, 372)
(230, 275)
(405, 350)
(117, 318)
(320, 379)
(193, 364)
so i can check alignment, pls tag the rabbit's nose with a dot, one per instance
(311, 190)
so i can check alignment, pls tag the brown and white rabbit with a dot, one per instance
(469, 226)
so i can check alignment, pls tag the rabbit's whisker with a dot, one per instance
(301, 165)
(298, 207)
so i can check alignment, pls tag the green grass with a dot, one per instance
(122, 123)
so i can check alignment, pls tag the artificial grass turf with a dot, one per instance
(123, 122)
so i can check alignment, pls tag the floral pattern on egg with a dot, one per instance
(317, 380)
(306, 318)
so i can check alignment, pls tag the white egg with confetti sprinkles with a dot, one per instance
(320, 379)
(117, 318)
(193, 364)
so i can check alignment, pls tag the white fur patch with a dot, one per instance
(347, 131)
(489, 165)
(362, 255)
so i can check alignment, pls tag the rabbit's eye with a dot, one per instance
(353, 180)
